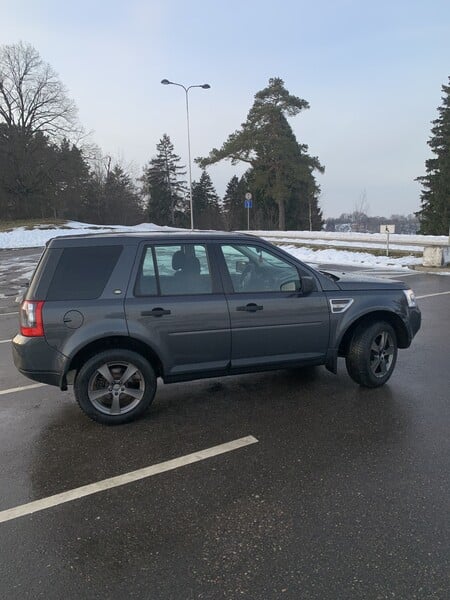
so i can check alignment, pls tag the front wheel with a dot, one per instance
(115, 386)
(372, 355)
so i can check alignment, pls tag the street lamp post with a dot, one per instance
(205, 86)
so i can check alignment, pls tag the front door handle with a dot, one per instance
(252, 307)
(156, 312)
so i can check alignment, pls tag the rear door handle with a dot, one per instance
(252, 307)
(156, 312)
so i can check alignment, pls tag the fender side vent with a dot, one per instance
(340, 305)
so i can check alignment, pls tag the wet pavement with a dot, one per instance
(16, 269)
(345, 495)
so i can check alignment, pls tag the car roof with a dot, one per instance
(136, 237)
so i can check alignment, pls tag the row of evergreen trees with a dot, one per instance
(44, 180)
(45, 173)
(434, 215)
(167, 198)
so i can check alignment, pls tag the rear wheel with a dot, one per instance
(372, 355)
(115, 386)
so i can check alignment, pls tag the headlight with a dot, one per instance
(410, 298)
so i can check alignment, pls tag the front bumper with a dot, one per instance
(415, 320)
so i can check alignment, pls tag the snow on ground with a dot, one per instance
(418, 249)
(343, 257)
(36, 238)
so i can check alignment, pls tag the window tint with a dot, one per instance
(82, 273)
(181, 268)
(146, 282)
(254, 269)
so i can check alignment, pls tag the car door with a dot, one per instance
(272, 321)
(178, 307)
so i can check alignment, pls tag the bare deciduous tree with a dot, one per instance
(32, 98)
(360, 212)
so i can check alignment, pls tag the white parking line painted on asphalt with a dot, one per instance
(112, 482)
(431, 295)
(4, 341)
(22, 388)
(10, 313)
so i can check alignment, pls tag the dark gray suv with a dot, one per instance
(111, 313)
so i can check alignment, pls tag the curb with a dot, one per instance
(431, 270)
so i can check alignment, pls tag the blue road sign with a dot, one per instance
(248, 203)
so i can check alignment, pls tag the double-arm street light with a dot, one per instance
(205, 86)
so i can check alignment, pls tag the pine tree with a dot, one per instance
(233, 204)
(121, 199)
(162, 185)
(206, 204)
(267, 143)
(434, 215)
(71, 176)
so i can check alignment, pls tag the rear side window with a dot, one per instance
(179, 269)
(82, 273)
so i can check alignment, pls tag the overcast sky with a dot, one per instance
(371, 71)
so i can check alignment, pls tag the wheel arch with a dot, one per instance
(396, 322)
(113, 343)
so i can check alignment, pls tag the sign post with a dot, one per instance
(387, 229)
(248, 205)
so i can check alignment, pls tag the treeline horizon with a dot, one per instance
(48, 171)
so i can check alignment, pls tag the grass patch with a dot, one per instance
(6, 226)
(94, 227)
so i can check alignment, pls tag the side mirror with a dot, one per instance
(305, 286)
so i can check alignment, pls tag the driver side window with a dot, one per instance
(254, 269)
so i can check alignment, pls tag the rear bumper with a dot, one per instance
(47, 377)
(38, 361)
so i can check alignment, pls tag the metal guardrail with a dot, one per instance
(357, 241)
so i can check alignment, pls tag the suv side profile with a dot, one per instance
(110, 313)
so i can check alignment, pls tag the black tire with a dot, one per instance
(372, 354)
(115, 386)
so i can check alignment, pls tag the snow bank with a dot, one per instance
(36, 238)
(342, 257)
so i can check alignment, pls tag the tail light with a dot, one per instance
(31, 324)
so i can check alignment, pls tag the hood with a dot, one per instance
(355, 281)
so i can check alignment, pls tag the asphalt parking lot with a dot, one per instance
(331, 491)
